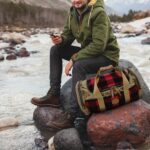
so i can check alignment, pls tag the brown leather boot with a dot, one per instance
(62, 122)
(47, 100)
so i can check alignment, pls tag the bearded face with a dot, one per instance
(79, 4)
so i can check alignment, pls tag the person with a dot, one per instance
(89, 24)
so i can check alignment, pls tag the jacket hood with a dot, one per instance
(91, 5)
(96, 3)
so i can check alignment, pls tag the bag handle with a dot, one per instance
(96, 91)
(98, 94)
(102, 69)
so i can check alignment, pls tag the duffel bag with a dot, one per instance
(107, 90)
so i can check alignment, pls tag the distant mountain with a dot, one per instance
(123, 6)
(55, 4)
(110, 10)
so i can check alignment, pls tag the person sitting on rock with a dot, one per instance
(89, 24)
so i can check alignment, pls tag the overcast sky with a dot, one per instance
(126, 5)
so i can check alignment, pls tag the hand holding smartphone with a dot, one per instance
(56, 38)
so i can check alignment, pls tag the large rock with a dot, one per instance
(1, 58)
(15, 38)
(23, 52)
(127, 28)
(127, 123)
(8, 122)
(67, 139)
(41, 116)
(66, 94)
(145, 89)
(11, 57)
(146, 41)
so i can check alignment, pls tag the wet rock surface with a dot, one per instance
(2, 58)
(146, 41)
(11, 57)
(8, 122)
(68, 139)
(23, 52)
(145, 90)
(43, 116)
(127, 123)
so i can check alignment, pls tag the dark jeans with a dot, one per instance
(81, 69)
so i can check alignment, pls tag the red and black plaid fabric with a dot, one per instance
(106, 81)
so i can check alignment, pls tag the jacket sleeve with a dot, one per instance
(100, 30)
(67, 35)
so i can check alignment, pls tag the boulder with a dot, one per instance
(23, 52)
(43, 116)
(51, 144)
(147, 25)
(15, 38)
(66, 94)
(11, 57)
(8, 122)
(1, 58)
(67, 139)
(130, 122)
(145, 90)
(10, 50)
(128, 29)
(146, 41)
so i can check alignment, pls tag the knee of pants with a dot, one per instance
(78, 68)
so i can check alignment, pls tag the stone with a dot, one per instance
(43, 116)
(8, 122)
(145, 90)
(67, 139)
(15, 38)
(10, 50)
(1, 58)
(23, 52)
(51, 144)
(128, 29)
(146, 41)
(66, 95)
(124, 145)
(130, 122)
(11, 57)
(34, 52)
(41, 143)
(147, 25)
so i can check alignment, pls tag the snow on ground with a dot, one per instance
(140, 23)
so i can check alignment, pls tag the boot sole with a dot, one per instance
(42, 105)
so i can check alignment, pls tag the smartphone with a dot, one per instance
(54, 34)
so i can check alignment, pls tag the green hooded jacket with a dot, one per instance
(93, 31)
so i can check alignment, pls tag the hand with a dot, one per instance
(106, 68)
(56, 39)
(68, 67)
